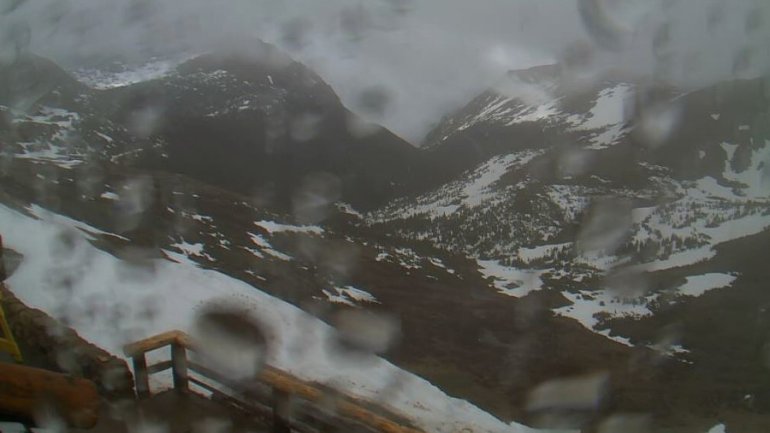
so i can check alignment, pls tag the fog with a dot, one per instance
(424, 58)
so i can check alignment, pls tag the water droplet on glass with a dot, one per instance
(313, 201)
(362, 333)
(606, 225)
(374, 100)
(573, 393)
(231, 340)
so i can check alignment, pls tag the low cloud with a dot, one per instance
(428, 56)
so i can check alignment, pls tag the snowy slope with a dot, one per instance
(543, 234)
(119, 74)
(556, 205)
(55, 147)
(621, 177)
(243, 120)
(597, 122)
(473, 190)
(111, 302)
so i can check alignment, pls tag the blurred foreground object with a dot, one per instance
(28, 391)
(7, 342)
(3, 273)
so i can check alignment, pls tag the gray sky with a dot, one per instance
(426, 57)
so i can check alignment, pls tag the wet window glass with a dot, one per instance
(434, 216)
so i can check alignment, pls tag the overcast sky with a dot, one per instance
(426, 56)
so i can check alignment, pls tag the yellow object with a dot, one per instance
(7, 342)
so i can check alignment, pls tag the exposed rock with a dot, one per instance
(61, 349)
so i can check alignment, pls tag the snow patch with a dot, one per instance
(756, 177)
(729, 149)
(348, 209)
(111, 302)
(700, 284)
(274, 227)
(606, 138)
(607, 116)
(511, 281)
(349, 295)
(189, 249)
(102, 79)
(202, 218)
(477, 190)
(640, 214)
(491, 111)
(58, 220)
(528, 255)
(719, 428)
(105, 137)
(609, 108)
(476, 187)
(266, 247)
(709, 187)
(407, 258)
(676, 260)
(569, 199)
(49, 152)
(533, 114)
(586, 305)
(55, 148)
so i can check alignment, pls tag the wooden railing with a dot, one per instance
(292, 403)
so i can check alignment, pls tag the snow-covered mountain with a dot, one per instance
(623, 205)
(577, 185)
(255, 122)
(591, 113)
(112, 300)
(554, 256)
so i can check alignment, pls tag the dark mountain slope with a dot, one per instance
(544, 107)
(257, 123)
(584, 241)
(454, 328)
(31, 80)
(260, 126)
(628, 207)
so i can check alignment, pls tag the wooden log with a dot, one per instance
(347, 407)
(25, 391)
(156, 342)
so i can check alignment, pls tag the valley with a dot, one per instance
(550, 257)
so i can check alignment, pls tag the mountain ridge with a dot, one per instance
(547, 255)
(295, 126)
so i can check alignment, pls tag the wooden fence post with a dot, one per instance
(284, 388)
(3, 274)
(141, 377)
(281, 411)
(179, 367)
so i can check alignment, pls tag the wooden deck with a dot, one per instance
(292, 404)
(172, 412)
